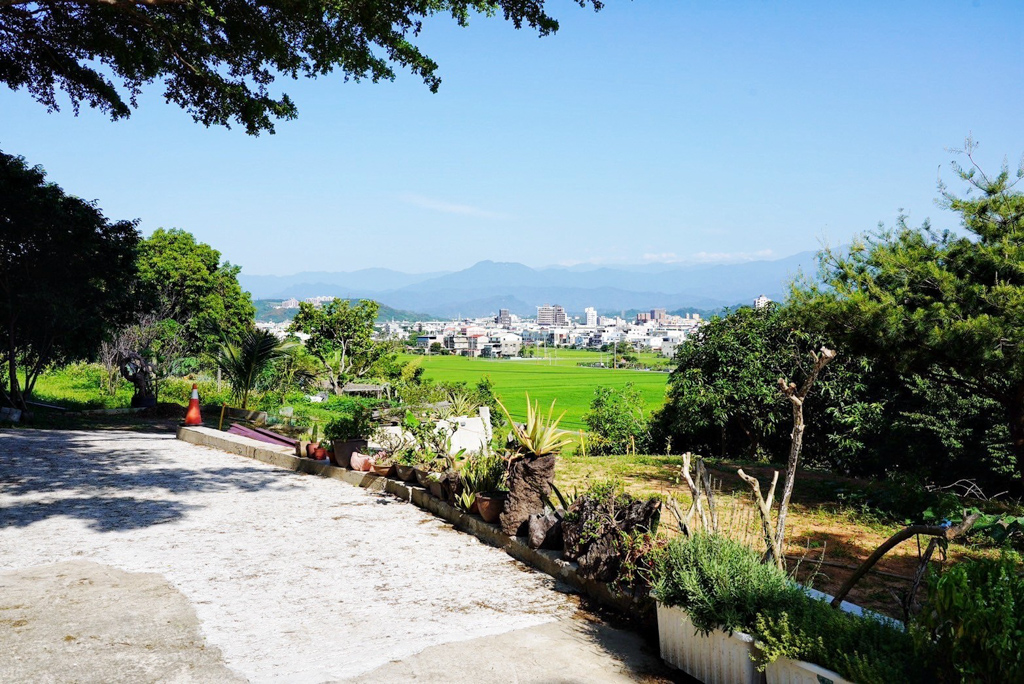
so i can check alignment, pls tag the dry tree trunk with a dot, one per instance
(699, 489)
(796, 398)
(773, 551)
(775, 536)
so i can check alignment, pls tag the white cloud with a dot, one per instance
(450, 207)
(662, 258)
(730, 257)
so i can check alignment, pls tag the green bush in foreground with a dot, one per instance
(724, 585)
(973, 623)
(862, 650)
(719, 582)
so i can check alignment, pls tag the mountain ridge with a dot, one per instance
(488, 285)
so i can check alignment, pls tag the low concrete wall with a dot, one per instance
(549, 562)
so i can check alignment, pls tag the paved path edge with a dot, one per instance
(549, 562)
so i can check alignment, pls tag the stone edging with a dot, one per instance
(549, 562)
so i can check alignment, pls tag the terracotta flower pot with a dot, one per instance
(311, 448)
(406, 473)
(320, 453)
(474, 508)
(491, 504)
(343, 451)
(360, 461)
(384, 470)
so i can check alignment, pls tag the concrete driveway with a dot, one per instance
(129, 556)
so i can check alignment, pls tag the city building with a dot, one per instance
(761, 302)
(504, 318)
(551, 315)
(591, 317)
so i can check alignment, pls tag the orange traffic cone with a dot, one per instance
(192, 417)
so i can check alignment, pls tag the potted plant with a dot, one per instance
(483, 480)
(383, 464)
(313, 448)
(405, 464)
(347, 434)
(491, 505)
(434, 480)
(360, 462)
(394, 442)
(531, 468)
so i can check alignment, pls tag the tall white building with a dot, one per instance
(761, 302)
(551, 315)
(591, 314)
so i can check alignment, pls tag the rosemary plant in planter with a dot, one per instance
(724, 615)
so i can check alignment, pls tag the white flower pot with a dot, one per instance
(786, 671)
(718, 658)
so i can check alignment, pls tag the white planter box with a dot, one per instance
(786, 671)
(718, 658)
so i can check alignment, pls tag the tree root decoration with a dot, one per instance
(946, 534)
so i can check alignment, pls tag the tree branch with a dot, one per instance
(947, 533)
(109, 3)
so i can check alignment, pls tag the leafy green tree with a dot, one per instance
(623, 353)
(939, 304)
(218, 59)
(245, 361)
(188, 283)
(725, 378)
(341, 336)
(67, 275)
(617, 421)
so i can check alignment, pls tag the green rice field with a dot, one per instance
(557, 377)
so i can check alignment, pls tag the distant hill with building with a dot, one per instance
(486, 287)
(281, 310)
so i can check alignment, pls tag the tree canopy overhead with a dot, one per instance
(218, 58)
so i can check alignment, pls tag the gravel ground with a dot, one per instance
(292, 577)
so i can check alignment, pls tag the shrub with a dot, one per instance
(862, 650)
(353, 423)
(723, 584)
(972, 624)
(719, 582)
(617, 421)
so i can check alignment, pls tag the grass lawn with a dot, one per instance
(557, 377)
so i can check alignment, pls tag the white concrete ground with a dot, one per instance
(292, 577)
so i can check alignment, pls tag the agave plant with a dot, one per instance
(540, 435)
(243, 363)
(461, 404)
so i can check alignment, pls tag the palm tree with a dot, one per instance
(243, 363)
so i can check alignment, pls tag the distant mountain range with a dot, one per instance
(483, 288)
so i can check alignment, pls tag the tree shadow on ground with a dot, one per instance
(643, 661)
(114, 481)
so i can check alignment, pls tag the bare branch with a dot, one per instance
(947, 533)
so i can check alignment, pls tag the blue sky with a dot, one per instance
(654, 130)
